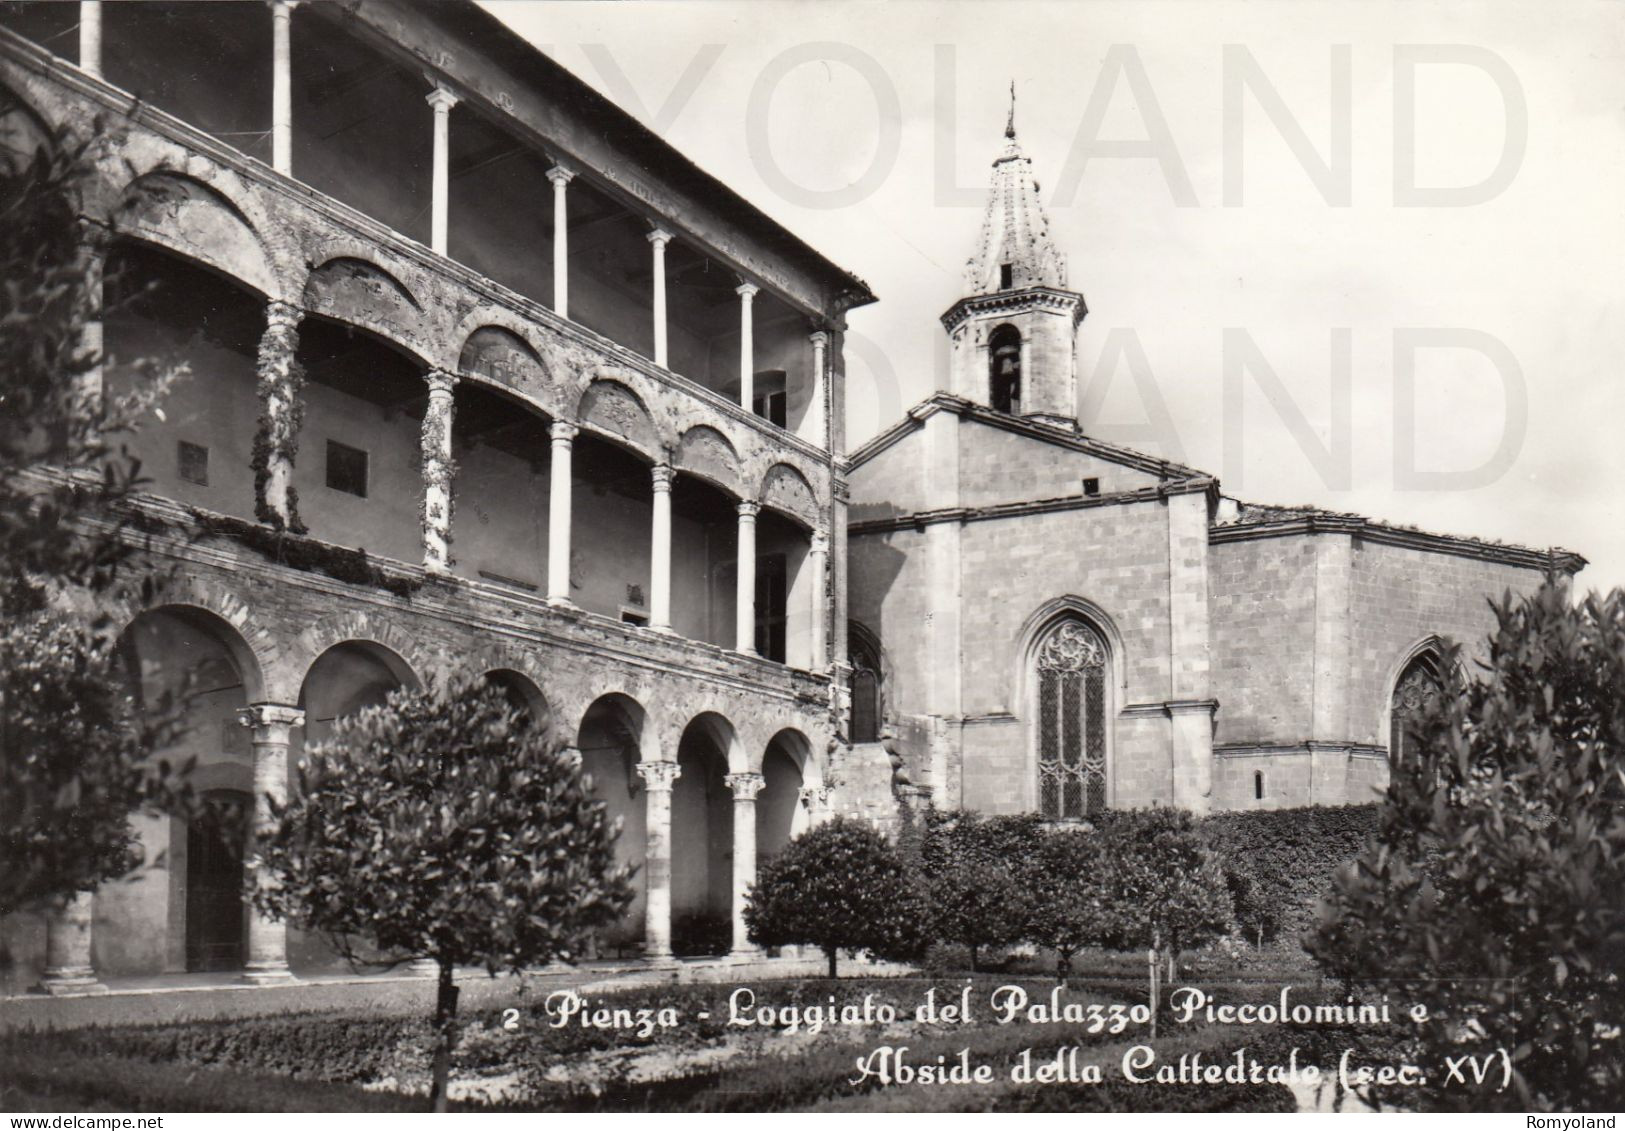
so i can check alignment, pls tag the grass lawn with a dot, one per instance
(522, 1060)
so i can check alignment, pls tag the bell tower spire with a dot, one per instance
(1014, 334)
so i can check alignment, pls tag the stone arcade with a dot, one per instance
(582, 407)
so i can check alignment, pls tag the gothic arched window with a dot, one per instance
(1004, 370)
(1418, 685)
(1071, 707)
(865, 688)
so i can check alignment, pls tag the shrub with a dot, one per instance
(1497, 875)
(839, 886)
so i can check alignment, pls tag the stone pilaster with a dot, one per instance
(658, 779)
(1190, 704)
(744, 787)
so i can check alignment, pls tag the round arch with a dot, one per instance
(197, 221)
(523, 692)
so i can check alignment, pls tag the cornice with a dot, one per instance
(919, 520)
(1047, 298)
(1036, 430)
(1555, 559)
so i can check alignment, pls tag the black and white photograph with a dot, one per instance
(774, 556)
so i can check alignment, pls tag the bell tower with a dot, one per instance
(1014, 335)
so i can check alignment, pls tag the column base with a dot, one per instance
(267, 974)
(560, 603)
(77, 981)
(743, 956)
(663, 629)
(661, 960)
(423, 968)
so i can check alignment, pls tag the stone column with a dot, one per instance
(561, 177)
(438, 471)
(270, 724)
(68, 971)
(280, 404)
(817, 559)
(745, 606)
(744, 787)
(658, 239)
(818, 415)
(90, 37)
(660, 551)
(442, 100)
(747, 347)
(558, 516)
(282, 87)
(658, 778)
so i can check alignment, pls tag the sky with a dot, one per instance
(1363, 255)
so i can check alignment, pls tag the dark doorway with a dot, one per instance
(215, 913)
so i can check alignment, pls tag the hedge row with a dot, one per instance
(1292, 854)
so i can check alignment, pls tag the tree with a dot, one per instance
(975, 869)
(72, 748)
(1066, 882)
(1256, 913)
(840, 886)
(1165, 889)
(444, 825)
(1496, 879)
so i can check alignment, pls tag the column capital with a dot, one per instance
(747, 291)
(661, 475)
(560, 175)
(815, 797)
(440, 382)
(441, 99)
(748, 509)
(263, 716)
(819, 339)
(278, 7)
(562, 431)
(659, 777)
(659, 237)
(819, 543)
(744, 787)
(281, 315)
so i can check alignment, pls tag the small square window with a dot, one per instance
(634, 617)
(192, 462)
(1091, 486)
(346, 469)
